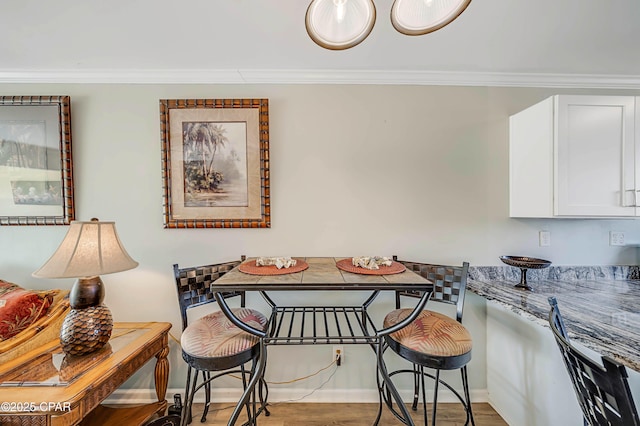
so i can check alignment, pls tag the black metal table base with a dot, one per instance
(321, 325)
(313, 325)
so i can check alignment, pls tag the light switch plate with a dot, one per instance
(544, 238)
(616, 238)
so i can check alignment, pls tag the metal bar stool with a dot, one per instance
(433, 340)
(602, 390)
(212, 344)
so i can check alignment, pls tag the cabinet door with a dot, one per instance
(531, 143)
(595, 156)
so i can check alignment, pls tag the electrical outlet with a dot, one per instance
(616, 238)
(544, 238)
(338, 354)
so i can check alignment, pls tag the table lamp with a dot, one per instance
(89, 249)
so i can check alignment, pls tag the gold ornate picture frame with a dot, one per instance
(36, 167)
(215, 162)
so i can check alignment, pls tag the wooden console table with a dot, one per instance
(46, 387)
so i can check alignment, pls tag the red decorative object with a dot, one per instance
(347, 265)
(250, 267)
(19, 308)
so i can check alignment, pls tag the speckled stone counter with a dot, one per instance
(600, 305)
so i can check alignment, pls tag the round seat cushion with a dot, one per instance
(431, 333)
(214, 335)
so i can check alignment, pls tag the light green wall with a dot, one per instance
(417, 171)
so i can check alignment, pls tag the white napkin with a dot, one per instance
(279, 262)
(371, 262)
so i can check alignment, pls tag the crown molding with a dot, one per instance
(319, 76)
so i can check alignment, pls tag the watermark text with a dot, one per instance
(29, 407)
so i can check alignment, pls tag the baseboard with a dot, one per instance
(225, 395)
(501, 413)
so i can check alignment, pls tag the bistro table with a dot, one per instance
(311, 325)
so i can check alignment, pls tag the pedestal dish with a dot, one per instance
(525, 263)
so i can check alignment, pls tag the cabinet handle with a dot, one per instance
(635, 198)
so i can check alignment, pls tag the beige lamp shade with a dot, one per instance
(340, 24)
(89, 249)
(417, 17)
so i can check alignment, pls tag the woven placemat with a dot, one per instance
(347, 265)
(249, 267)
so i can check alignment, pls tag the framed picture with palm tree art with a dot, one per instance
(215, 159)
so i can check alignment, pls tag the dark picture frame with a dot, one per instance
(215, 163)
(36, 167)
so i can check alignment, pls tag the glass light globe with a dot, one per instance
(340, 24)
(417, 17)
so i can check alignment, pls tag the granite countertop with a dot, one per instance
(600, 305)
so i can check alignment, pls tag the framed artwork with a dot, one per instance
(215, 161)
(36, 176)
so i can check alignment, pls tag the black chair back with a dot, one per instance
(449, 283)
(602, 390)
(194, 285)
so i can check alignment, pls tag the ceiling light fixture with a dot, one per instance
(418, 17)
(341, 24)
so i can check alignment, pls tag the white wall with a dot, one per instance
(527, 381)
(416, 171)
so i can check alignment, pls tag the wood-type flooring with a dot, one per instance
(343, 414)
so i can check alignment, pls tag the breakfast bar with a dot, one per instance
(599, 304)
(527, 380)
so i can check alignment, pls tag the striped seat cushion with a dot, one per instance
(430, 333)
(215, 336)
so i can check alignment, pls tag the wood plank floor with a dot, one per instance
(351, 414)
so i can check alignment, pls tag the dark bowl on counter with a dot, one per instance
(525, 263)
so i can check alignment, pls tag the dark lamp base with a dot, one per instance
(86, 330)
(86, 292)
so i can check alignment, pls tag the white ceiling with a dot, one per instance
(554, 41)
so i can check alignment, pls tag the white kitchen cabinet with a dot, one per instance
(575, 156)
